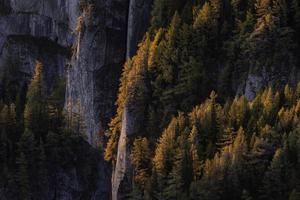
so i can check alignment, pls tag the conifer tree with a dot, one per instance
(162, 12)
(140, 159)
(55, 106)
(169, 67)
(275, 179)
(116, 122)
(263, 7)
(35, 114)
(197, 164)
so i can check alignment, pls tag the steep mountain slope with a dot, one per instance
(85, 42)
(193, 47)
(107, 32)
(154, 151)
(35, 30)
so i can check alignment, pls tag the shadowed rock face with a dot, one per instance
(138, 17)
(110, 33)
(43, 30)
(93, 77)
(35, 30)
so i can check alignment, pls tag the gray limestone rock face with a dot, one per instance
(46, 30)
(138, 19)
(93, 76)
(35, 30)
(257, 81)
(122, 171)
(110, 32)
(253, 84)
(42, 30)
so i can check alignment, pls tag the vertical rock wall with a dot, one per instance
(93, 76)
(110, 32)
(46, 30)
(138, 19)
(93, 79)
(33, 30)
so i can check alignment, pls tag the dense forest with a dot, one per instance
(36, 143)
(197, 133)
(188, 146)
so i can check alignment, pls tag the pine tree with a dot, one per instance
(239, 146)
(55, 106)
(197, 164)
(239, 7)
(173, 189)
(227, 138)
(35, 114)
(10, 80)
(164, 152)
(263, 7)
(288, 96)
(116, 122)
(169, 61)
(141, 160)
(135, 194)
(189, 85)
(275, 179)
(239, 112)
(154, 51)
(279, 9)
(162, 12)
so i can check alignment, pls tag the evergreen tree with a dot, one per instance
(219, 151)
(141, 160)
(275, 179)
(197, 163)
(36, 114)
(162, 12)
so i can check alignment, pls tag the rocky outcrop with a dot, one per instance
(109, 33)
(256, 81)
(122, 158)
(42, 30)
(35, 30)
(93, 76)
(254, 84)
(138, 18)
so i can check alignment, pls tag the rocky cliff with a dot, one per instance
(35, 30)
(85, 41)
(107, 33)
